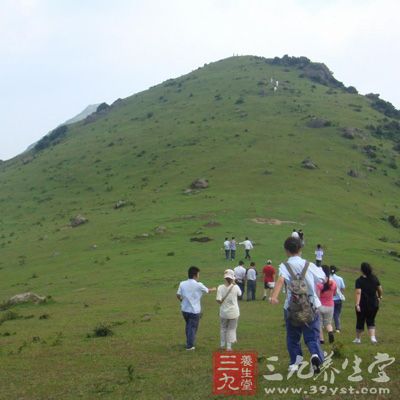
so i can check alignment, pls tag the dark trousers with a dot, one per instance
(336, 313)
(366, 316)
(192, 323)
(247, 254)
(241, 286)
(233, 254)
(318, 263)
(311, 339)
(251, 290)
(227, 254)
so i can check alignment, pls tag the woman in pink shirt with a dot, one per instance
(325, 292)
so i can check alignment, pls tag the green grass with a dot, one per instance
(129, 283)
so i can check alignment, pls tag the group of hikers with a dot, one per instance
(230, 248)
(313, 301)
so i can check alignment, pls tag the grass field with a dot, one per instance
(214, 123)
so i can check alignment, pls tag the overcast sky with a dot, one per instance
(58, 56)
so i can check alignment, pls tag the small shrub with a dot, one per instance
(101, 330)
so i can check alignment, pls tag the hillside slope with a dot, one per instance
(256, 146)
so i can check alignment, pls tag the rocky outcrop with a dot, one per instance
(200, 183)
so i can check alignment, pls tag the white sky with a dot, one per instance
(58, 56)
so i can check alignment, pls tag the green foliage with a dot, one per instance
(53, 138)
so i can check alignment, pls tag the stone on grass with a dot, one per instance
(27, 297)
(78, 220)
(200, 183)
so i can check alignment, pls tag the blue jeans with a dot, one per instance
(336, 313)
(310, 335)
(241, 286)
(233, 254)
(251, 290)
(192, 323)
(227, 254)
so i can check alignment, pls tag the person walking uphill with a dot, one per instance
(240, 277)
(339, 298)
(233, 248)
(300, 306)
(247, 247)
(251, 277)
(227, 297)
(368, 295)
(189, 294)
(227, 248)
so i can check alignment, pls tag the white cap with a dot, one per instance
(228, 273)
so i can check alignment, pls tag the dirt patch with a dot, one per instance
(203, 239)
(271, 221)
(212, 224)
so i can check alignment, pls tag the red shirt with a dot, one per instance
(327, 296)
(269, 272)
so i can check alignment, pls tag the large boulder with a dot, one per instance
(27, 297)
(78, 220)
(200, 183)
(351, 133)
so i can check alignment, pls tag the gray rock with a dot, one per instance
(160, 229)
(119, 204)
(200, 183)
(27, 297)
(318, 123)
(78, 220)
(353, 173)
(308, 164)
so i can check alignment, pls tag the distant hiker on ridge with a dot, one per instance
(247, 246)
(189, 294)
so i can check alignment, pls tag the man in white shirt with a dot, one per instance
(310, 331)
(247, 247)
(240, 277)
(319, 253)
(227, 248)
(189, 294)
(251, 277)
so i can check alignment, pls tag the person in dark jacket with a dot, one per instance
(368, 294)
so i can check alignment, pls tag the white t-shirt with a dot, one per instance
(229, 309)
(251, 274)
(240, 273)
(227, 245)
(247, 244)
(295, 235)
(313, 276)
(319, 254)
(191, 292)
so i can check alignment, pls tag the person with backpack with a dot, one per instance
(325, 292)
(233, 248)
(227, 248)
(339, 298)
(189, 294)
(368, 296)
(227, 298)
(251, 277)
(301, 304)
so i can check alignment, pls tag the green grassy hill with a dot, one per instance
(225, 123)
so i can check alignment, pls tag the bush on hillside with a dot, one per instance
(351, 90)
(53, 138)
(383, 106)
